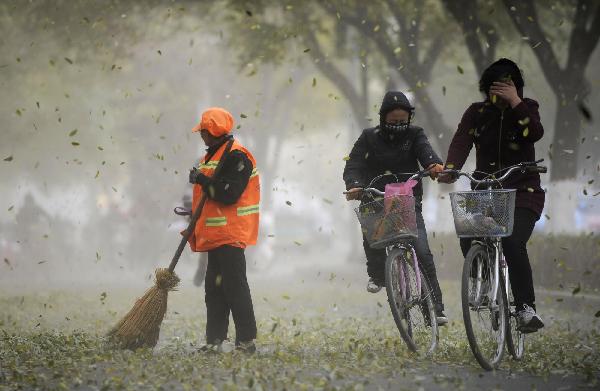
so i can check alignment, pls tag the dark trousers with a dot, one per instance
(515, 252)
(227, 290)
(376, 260)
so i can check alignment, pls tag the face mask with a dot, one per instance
(394, 131)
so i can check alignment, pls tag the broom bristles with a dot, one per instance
(141, 326)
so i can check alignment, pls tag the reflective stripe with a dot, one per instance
(216, 221)
(211, 165)
(247, 210)
(254, 173)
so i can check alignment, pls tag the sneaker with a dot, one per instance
(246, 347)
(528, 321)
(441, 318)
(374, 286)
(211, 347)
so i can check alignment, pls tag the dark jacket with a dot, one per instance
(501, 139)
(373, 155)
(233, 177)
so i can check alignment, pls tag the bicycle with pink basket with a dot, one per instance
(388, 220)
(486, 216)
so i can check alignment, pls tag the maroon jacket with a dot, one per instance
(501, 139)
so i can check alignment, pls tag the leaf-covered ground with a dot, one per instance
(327, 334)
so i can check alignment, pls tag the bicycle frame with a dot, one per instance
(499, 262)
(403, 246)
(370, 190)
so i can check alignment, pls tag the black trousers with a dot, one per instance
(376, 259)
(227, 290)
(515, 252)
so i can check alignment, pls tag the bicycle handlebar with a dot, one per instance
(530, 167)
(416, 176)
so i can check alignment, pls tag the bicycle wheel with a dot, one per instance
(413, 309)
(515, 340)
(485, 319)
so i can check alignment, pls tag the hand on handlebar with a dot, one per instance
(447, 176)
(354, 193)
(434, 170)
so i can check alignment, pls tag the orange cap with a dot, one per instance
(216, 120)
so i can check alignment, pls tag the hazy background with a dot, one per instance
(98, 98)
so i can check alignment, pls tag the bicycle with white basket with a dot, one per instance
(487, 304)
(390, 223)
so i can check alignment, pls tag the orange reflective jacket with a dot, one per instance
(220, 224)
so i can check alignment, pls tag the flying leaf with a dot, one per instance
(585, 112)
(11, 208)
(289, 203)
(68, 60)
(243, 115)
(577, 289)
(459, 69)
(73, 133)
(314, 82)
(8, 159)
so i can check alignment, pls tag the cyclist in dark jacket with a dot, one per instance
(397, 147)
(503, 129)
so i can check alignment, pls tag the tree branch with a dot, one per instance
(583, 41)
(465, 14)
(331, 72)
(544, 52)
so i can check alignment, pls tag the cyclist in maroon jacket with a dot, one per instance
(503, 128)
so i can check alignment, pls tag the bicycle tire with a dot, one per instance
(515, 340)
(412, 330)
(478, 253)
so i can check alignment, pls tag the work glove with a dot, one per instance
(197, 177)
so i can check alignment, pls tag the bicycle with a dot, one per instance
(390, 223)
(487, 216)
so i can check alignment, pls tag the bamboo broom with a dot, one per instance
(141, 326)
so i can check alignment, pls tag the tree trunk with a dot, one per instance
(567, 133)
(433, 124)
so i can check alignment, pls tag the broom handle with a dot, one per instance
(196, 214)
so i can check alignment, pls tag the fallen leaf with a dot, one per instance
(459, 69)
(73, 133)
(8, 159)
